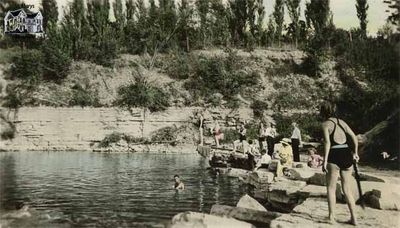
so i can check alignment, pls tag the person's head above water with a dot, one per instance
(177, 178)
(328, 109)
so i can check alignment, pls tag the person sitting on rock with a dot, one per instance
(285, 154)
(178, 183)
(252, 152)
(242, 139)
(264, 161)
(315, 160)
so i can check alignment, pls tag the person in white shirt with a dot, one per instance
(264, 161)
(296, 140)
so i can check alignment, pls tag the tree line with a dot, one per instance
(86, 31)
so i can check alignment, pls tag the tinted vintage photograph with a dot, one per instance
(199, 113)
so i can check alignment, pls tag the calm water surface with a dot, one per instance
(110, 190)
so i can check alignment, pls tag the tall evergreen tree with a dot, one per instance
(120, 20)
(238, 20)
(251, 16)
(362, 8)
(102, 38)
(50, 12)
(394, 17)
(130, 10)
(293, 7)
(185, 24)
(260, 20)
(203, 9)
(219, 24)
(279, 12)
(318, 15)
(75, 27)
(271, 29)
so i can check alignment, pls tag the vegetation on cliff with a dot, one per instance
(171, 55)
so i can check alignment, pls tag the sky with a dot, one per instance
(344, 12)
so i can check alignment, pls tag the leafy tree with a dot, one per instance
(238, 17)
(394, 17)
(270, 31)
(185, 24)
(362, 8)
(6, 5)
(130, 9)
(50, 12)
(260, 20)
(168, 23)
(278, 13)
(293, 7)
(317, 15)
(120, 20)
(76, 29)
(102, 37)
(54, 49)
(218, 23)
(251, 16)
(144, 95)
(203, 9)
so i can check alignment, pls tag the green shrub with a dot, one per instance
(258, 108)
(28, 65)
(110, 138)
(180, 65)
(225, 75)
(230, 135)
(252, 130)
(136, 140)
(13, 99)
(309, 125)
(9, 132)
(84, 96)
(232, 103)
(166, 134)
(57, 64)
(142, 94)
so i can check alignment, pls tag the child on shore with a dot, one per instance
(315, 160)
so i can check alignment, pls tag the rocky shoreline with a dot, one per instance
(298, 200)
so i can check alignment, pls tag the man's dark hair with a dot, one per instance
(176, 175)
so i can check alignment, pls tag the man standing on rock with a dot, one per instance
(296, 140)
(270, 132)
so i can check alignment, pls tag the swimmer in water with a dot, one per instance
(178, 183)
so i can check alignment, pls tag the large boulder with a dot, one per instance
(382, 196)
(283, 194)
(241, 173)
(256, 217)
(260, 179)
(314, 212)
(248, 202)
(302, 174)
(199, 220)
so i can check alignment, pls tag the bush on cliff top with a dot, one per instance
(142, 95)
(225, 75)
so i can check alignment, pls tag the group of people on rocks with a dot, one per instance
(340, 152)
(264, 151)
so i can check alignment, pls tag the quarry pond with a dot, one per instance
(89, 189)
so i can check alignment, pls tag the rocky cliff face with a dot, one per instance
(47, 128)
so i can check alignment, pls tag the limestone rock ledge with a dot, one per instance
(313, 213)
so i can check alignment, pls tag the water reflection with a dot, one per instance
(89, 189)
